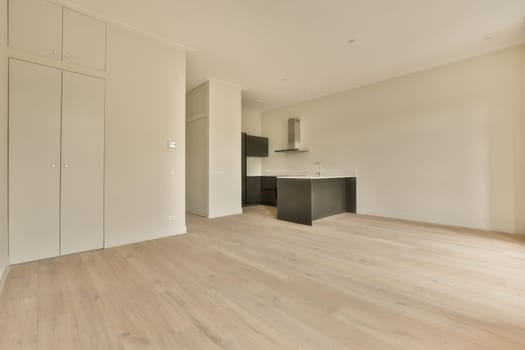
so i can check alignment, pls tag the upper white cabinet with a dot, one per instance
(44, 28)
(84, 40)
(36, 26)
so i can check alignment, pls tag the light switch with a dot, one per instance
(172, 144)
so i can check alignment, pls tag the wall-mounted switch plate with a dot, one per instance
(172, 144)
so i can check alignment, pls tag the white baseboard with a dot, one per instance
(118, 243)
(223, 214)
(3, 277)
(182, 231)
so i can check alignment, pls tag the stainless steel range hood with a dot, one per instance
(294, 137)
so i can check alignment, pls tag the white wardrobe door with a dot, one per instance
(84, 40)
(34, 161)
(36, 26)
(82, 204)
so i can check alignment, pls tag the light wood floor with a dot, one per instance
(252, 282)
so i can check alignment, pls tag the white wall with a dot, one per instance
(197, 102)
(145, 181)
(214, 150)
(445, 145)
(225, 149)
(197, 150)
(251, 124)
(3, 138)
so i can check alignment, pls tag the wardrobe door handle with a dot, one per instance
(66, 165)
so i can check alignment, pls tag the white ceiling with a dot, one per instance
(287, 51)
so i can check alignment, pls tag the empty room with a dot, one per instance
(262, 174)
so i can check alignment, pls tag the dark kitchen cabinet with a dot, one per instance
(256, 146)
(253, 189)
(303, 200)
(253, 186)
(269, 197)
(261, 190)
(351, 195)
(243, 168)
(269, 182)
(269, 190)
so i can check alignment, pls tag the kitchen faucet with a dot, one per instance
(317, 165)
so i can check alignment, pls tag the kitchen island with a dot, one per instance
(303, 199)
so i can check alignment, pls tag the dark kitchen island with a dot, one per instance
(303, 199)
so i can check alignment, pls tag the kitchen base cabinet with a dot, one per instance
(305, 199)
(269, 190)
(253, 190)
(269, 197)
(261, 190)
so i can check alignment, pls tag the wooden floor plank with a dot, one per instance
(252, 282)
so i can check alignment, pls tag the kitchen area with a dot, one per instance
(300, 197)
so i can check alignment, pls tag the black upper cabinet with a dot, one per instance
(256, 146)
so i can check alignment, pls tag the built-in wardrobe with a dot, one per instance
(56, 131)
